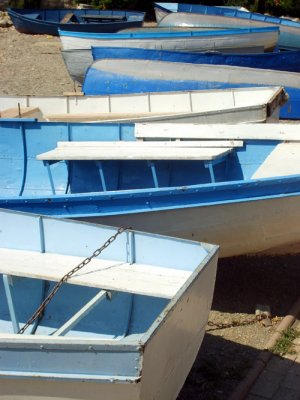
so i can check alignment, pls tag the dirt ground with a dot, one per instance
(32, 64)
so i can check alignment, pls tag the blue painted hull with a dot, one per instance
(157, 34)
(141, 76)
(185, 192)
(222, 17)
(99, 206)
(39, 21)
(283, 61)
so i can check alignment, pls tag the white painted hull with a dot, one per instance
(239, 228)
(77, 62)
(224, 43)
(288, 38)
(168, 356)
(207, 106)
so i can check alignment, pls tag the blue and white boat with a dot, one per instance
(278, 60)
(113, 330)
(162, 9)
(76, 46)
(48, 21)
(259, 104)
(78, 60)
(233, 40)
(235, 185)
(197, 15)
(112, 76)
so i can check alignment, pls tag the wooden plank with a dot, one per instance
(153, 143)
(134, 153)
(276, 131)
(103, 274)
(73, 94)
(67, 18)
(25, 112)
(91, 117)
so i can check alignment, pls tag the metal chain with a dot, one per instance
(229, 325)
(67, 276)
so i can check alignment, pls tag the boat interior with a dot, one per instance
(119, 294)
(38, 160)
(121, 315)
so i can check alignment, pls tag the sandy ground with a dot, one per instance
(32, 64)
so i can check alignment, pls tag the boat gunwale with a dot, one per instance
(156, 192)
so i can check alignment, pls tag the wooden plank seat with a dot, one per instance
(104, 274)
(270, 131)
(155, 143)
(132, 151)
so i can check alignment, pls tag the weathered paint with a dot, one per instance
(95, 361)
(47, 21)
(207, 106)
(260, 173)
(224, 17)
(138, 76)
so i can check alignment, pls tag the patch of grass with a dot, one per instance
(284, 345)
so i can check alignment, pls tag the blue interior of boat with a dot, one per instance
(121, 315)
(21, 174)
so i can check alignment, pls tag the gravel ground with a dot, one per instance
(32, 64)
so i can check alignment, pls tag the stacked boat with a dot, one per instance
(197, 15)
(76, 46)
(179, 56)
(176, 133)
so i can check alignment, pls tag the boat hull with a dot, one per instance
(221, 17)
(39, 21)
(231, 105)
(77, 63)
(248, 223)
(172, 346)
(248, 207)
(249, 227)
(111, 351)
(139, 76)
(283, 61)
(224, 40)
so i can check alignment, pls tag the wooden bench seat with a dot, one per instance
(104, 274)
(154, 143)
(276, 131)
(133, 152)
